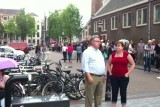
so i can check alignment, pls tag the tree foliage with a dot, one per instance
(10, 28)
(67, 21)
(71, 21)
(1, 29)
(25, 24)
(55, 24)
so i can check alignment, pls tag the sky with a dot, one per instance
(43, 7)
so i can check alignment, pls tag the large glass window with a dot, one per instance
(157, 13)
(126, 20)
(141, 17)
(114, 22)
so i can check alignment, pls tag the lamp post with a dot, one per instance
(149, 19)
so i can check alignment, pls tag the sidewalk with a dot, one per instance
(142, 102)
(141, 67)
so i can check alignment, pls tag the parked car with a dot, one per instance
(7, 50)
(20, 46)
(31, 46)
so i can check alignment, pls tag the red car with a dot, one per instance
(20, 46)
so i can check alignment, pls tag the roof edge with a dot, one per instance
(132, 5)
(102, 7)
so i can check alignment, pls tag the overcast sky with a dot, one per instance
(41, 7)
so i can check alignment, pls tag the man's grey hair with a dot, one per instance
(93, 38)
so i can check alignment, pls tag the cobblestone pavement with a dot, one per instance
(141, 102)
(143, 89)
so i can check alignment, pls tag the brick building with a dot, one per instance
(127, 19)
(124, 19)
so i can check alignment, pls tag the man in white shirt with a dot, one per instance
(64, 51)
(94, 67)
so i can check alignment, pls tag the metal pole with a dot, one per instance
(149, 19)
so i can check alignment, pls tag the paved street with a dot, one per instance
(143, 90)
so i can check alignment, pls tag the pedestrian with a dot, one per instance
(79, 52)
(119, 72)
(147, 56)
(105, 53)
(152, 52)
(64, 51)
(157, 55)
(38, 50)
(94, 67)
(70, 51)
(131, 50)
(140, 50)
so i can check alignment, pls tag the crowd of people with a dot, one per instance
(145, 54)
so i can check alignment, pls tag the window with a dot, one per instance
(95, 26)
(37, 27)
(141, 17)
(37, 34)
(157, 14)
(34, 41)
(103, 25)
(29, 41)
(5, 17)
(126, 20)
(38, 42)
(114, 23)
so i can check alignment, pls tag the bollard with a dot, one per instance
(108, 89)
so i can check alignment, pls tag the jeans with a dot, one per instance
(64, 56)
(79, 57)
(147, 63)
(119, 83)
(69, 56)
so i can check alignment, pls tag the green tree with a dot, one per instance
(10, 28)
(55, 25)
(1, 29)
(25, 24)
(71, 21)
(31, 26)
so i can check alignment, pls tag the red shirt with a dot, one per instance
(120, 65)
(69, 49)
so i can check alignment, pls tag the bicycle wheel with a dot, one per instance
(16, 91)
(81, 87)
(54, 88)
(73, 90)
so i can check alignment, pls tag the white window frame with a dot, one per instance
(142, 24)
(104, 25)
(154, 19)
(6, 17)
(127, 20)
(113, 27)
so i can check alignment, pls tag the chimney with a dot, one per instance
(96, 5)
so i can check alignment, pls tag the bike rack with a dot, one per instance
(12, 79)
(37, 101)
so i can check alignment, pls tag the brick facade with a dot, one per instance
(96, 5)
(134, 32)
